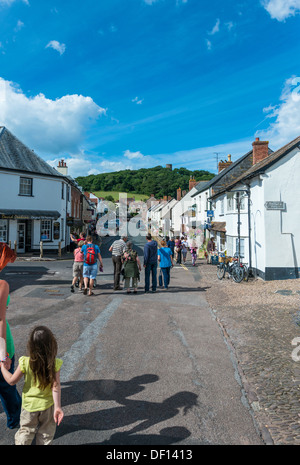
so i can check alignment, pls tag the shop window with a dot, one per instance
(3, 230)
(46, 229)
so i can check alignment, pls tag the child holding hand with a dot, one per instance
(41, 405)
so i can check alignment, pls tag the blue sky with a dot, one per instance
(117, 84)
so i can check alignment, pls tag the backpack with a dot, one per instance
(90, 255)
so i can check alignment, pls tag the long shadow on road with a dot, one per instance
(129, 412)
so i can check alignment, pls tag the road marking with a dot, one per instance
(184, 267)
(83, 345)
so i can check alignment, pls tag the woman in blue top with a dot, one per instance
(165, 259)
(9, 396)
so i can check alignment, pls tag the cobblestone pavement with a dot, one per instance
(260, 320)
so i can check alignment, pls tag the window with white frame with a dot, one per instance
(46, 230)
(3, 230)
(229, 244)
(222, 206)
(232, 202)
(25, 186)
(242, 247)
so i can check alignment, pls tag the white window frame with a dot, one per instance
(46, 226)
(25, 187)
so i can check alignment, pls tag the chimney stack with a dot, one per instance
(224, 164)
(179, 194)
(62, 168)
(260, 150)
(192, 183)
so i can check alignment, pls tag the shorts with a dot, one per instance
(90, 271)
(77, 269)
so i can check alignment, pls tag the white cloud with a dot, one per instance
(48, 126)
(286, 115)
(132, 155)
(10, 2)
(208, 44)
(137, 100)
(60, 48)
(215, 29)
(281, 9)
(19, 26)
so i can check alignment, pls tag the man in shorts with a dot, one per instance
(91, 253)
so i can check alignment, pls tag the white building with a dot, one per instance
(35, 199)
(265, 229)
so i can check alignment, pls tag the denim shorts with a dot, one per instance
(90, 271)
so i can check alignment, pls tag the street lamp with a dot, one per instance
(238, 198)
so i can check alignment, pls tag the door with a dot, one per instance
(21, 237)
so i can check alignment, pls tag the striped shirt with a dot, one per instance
(118, 247)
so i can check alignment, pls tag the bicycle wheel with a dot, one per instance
(221, 271)
(237, 273)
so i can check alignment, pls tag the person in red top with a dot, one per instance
(78, 266)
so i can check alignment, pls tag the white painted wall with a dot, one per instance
(46, 195)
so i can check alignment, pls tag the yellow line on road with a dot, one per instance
(184, 267)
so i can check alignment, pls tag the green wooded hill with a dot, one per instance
(159, 181)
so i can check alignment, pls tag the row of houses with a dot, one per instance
(38, 202)
(251, 207)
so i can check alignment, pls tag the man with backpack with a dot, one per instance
(91, 253)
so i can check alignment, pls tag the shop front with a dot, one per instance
(23, 230)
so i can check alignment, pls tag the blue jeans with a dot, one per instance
(11, 400)
(151, 268)
(166, 275)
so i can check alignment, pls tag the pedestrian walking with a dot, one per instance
(194, 255)
(117, 249)
(165, 259)
(41, 405)
(132, 268)
(9, 396)
(211, 247)
(178, 249)
(171, 244)
(184, 249)
(78, 266)
(150, 263)
(91, 253)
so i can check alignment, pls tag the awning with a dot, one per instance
(28, 214)
(219, 226)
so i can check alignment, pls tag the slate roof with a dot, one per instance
(236, 169)
(14, 155)
(261, 166)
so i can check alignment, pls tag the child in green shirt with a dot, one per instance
(41, 406)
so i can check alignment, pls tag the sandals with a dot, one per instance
(91, 293)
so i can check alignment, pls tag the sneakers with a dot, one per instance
(72, 288)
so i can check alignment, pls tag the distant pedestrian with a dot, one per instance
(117, 249)
(41, 406)
(194, 255)
(211, 247)
(78, 266)
(91, 254)
(178, 249)
(165, 259)
(184, 249)
(10, 398)
(150, 263)
(132, 268)
(171, 244)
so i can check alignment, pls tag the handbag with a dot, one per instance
(160, 279)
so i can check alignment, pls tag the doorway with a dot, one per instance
(21, 237)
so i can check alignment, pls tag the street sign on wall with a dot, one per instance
(272, 205)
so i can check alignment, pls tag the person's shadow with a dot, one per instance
(129, 412)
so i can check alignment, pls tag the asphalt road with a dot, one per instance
(145, 369)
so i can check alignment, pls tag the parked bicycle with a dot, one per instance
(231, 266)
